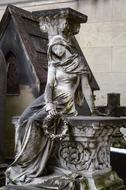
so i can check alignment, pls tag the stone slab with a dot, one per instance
(119, 59)
(96, 10)
(12, 187)
(119, 10)
(99, 58)
(108, 181)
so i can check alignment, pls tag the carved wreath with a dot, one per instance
(52, 123)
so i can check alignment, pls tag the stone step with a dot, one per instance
(116, 186)
(15, 187)
(122, 188)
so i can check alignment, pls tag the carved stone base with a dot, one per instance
(86, 151)
(86, 148)
(108, 181)
(82, 159)
(16, 187)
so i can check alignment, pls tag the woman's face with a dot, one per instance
(59, 50)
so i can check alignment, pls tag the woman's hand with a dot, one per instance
(52, 112)
(51, 109)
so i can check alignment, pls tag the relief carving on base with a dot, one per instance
(92, 153)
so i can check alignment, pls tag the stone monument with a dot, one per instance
(26, 69)
(55, 148)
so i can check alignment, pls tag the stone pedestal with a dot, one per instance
(86, 151)
(84, 154)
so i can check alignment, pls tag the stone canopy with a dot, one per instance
(69, 13)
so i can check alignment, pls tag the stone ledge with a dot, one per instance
(108, 181)
(99, 121)
(14, 187)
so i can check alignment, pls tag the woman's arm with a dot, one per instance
(50, 107)
(87, 91)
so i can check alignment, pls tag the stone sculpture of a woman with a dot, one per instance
(67, 84)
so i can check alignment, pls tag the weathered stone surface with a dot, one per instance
(116, 86)
(89, 150)
(119, 59)
(38, 4)
(28, 54)
(96, 10)
(113, 108)
(119, 12)
(102, 57)
(96, 35)
(12, 187)
(59, 99)
(105, 31)
(86, 149)
(108, 181)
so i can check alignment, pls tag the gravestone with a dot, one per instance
(85, 151)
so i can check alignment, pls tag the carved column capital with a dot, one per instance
(65, 22)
